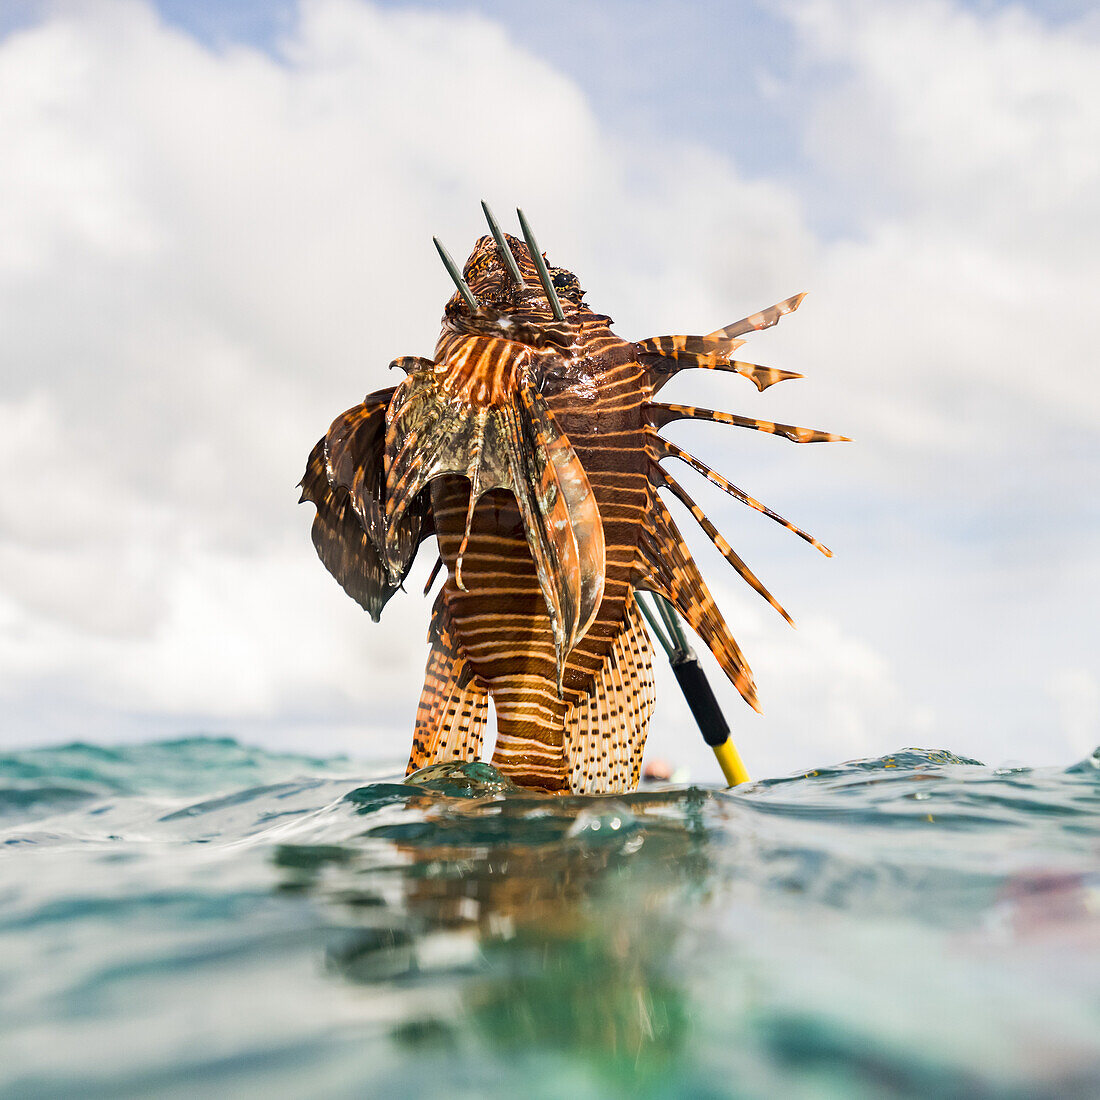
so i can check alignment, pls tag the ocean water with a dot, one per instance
(198, 918)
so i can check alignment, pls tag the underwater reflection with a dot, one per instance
(558, 911)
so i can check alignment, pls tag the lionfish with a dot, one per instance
(530, 448)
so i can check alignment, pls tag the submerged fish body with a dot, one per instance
(529, 447)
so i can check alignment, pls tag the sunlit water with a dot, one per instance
(201, 919)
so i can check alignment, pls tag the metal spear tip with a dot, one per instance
(455, 274)
(502, 245)
(540, 264)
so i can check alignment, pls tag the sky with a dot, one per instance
(215, 232)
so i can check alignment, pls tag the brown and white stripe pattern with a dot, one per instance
(532, 446)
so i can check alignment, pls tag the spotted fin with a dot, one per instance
(514, 442)
(454, 705)
(605, 734)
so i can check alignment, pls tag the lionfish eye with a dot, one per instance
(565, 280)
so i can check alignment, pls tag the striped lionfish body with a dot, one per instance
(529, 447)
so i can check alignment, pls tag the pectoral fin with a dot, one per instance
(344, 480)
(428, 435)
(353, 459)
(516, 444)
(562, 521)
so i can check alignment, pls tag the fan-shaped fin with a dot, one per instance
(345, 548)
(510, 440)
(474, 470)
(454, 705)
(659, 414)
(344, 479)
(353, 459)
(605, 734)
(662, 448)
(724, 548)
(664, 565)
(568, 504)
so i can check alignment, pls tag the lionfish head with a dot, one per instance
(488, 276)
(506, 276)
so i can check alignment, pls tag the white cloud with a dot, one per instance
(965, 117)
(1076, 694)
(209, 254)
(216, 253)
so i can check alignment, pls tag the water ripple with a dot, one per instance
(201, 916)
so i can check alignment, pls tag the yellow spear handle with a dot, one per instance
(729, 760)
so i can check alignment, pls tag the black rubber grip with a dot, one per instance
(697, 691)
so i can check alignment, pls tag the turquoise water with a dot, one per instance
(200, 918)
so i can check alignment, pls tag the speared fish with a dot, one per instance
(529, 447)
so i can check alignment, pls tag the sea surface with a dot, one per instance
(200, 918)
